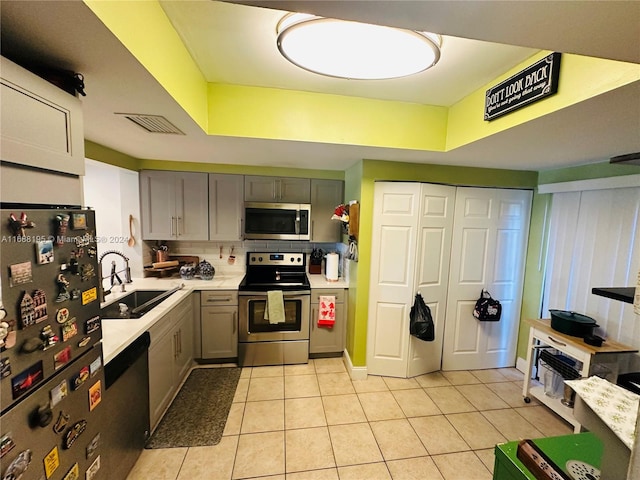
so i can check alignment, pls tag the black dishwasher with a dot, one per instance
(125, 426)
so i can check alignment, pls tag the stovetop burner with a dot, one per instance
(275, 271)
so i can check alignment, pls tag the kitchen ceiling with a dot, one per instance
(235, 44)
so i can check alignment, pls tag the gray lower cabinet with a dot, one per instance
(170, 357)
(219, 324)
(325, 196)
(323, 340)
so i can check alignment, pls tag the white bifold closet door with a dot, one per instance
(413, 236)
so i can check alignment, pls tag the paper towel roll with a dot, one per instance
(331, 267)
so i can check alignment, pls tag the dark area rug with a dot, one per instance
(199, 412)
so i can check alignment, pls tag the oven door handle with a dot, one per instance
(286, 294)
(298, 222)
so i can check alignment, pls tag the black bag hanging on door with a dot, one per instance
(420, 322)
(487, 309)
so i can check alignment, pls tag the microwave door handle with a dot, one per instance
(298, 222)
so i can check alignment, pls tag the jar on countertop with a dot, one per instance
(188, 271)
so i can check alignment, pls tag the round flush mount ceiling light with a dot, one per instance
(345, 49)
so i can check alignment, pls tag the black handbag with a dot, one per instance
(487, 309)
(420, 322)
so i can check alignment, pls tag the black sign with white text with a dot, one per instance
(534, 83)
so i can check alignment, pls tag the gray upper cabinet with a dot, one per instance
(174, 205)
(226, 201)
(41, 124)
(277, 189)
(325, 196)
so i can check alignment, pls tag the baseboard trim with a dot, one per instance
(356, 373)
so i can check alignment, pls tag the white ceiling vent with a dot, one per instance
(153, 123)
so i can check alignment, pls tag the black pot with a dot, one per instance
(572, 323)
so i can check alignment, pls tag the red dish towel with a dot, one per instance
(326, 311)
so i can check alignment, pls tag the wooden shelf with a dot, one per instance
(624, 294)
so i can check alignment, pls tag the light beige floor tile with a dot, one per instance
(342, 409)
(377, 471)
(304, 413)
(160, 464)
(461, 377)
(308, 449)
(550, 424)
(335, 383)
(511, 424)
(415, 403)
(329, 365)
(263, 416)
(373, 383)
(380, 406)
(266, 388)
(209, 463)
(268, 371)
(438, 435)
(397, 439)
(462, 465)
(449, 400)
(400, 383)
(269, 477)
(510, 393)
(234, 420)
(491, 375)
(245, 372)
(475, 430)
(300, 369)
(488, 457)
(297, 386)
(354, 444)
(324, 474)
(259, 454)
(512, 374)
(421, 468)
(241, 390)
(481, 397)
(435, 379)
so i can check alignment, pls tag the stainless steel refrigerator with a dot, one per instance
(52, 372)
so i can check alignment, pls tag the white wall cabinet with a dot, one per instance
(219, 324)
(174, 205)
(323, 340)
(170, 357)
(277, 189)
(226, 206)
(41, 124)
(325, 196)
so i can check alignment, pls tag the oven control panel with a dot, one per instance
(276, 259)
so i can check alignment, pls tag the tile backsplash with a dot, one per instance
(219, 254)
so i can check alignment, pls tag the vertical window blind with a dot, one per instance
(594, 242)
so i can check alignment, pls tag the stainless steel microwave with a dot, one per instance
(277, 221)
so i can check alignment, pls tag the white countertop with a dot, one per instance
(117, 334)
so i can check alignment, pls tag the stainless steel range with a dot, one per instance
(266, 339)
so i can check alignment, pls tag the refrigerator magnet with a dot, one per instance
(92, 471)
(95, 366)
(84, 342)
(95, 395)
(93, 446)
(27, 379)
(92, 325)
(61, 358)
(58, 392)
(27, 309)
(44, 252)
(61, 422)
(79, 221)
(6, 444)
(89, 296)
(78, 380)
(74, 432)
(69, 329)
(62, 222)
(73, 473)
(40, 305)
(51, 462)
(62, 315)
(19, 465)
(5, 367)
(20, 273)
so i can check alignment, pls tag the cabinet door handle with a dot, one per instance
(172, 220)
(235, 322)
(313, 316)
(218, 299)
(556, 341)
(175, 345)
(178, 219)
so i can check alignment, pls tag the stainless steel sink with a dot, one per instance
(135, 304)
